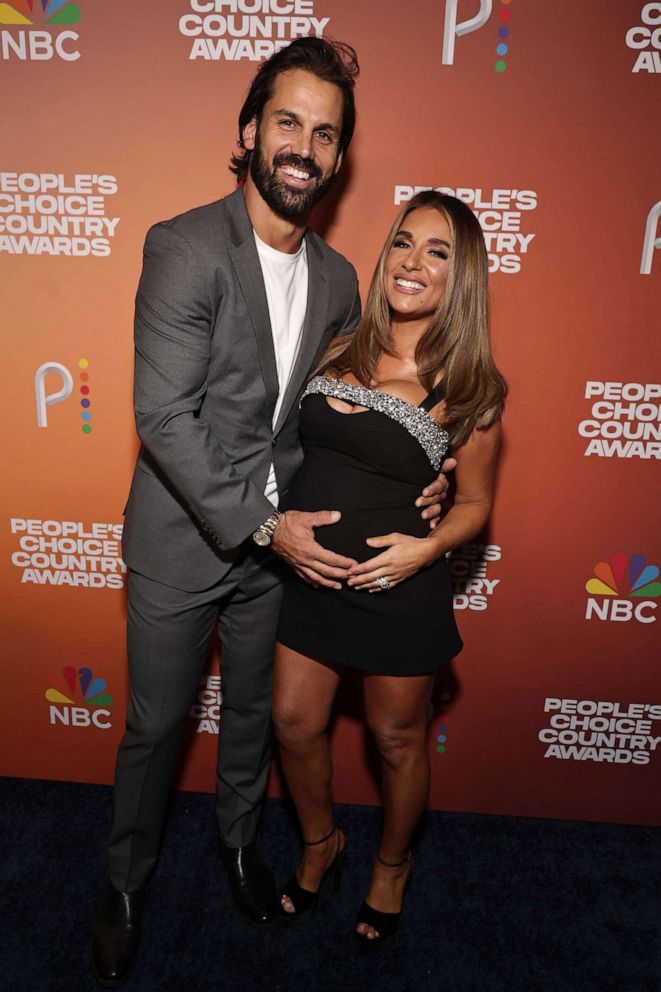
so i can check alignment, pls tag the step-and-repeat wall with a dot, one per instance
(543, 117)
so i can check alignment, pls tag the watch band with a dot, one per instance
(264, 534)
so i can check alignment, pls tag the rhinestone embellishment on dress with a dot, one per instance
(432, 438)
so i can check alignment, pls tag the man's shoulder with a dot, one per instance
(196, 216)
(331, 258)
(199, 225)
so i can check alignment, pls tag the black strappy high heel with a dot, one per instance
(305, 902)
(384, 923)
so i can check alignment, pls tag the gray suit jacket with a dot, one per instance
(206, 386)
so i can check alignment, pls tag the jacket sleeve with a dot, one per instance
(353, 316)
(173, 316)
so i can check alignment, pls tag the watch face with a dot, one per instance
(262, 538)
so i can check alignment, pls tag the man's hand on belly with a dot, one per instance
(433, 495)
(294, 541)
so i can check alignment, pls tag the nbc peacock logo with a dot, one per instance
(49, 12)
(84, 703)
(623, 588)
(25, 43)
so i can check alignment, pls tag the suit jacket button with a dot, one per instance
(274, 441)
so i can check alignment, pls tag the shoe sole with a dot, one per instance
(109, 983)
(257, 926)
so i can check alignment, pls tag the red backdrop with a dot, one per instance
(544, 117)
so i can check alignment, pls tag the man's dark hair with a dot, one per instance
(332, 61)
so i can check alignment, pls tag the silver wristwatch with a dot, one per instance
(264, 534)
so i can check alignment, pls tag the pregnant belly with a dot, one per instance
(347, 537)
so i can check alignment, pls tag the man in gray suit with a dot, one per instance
(237, 302)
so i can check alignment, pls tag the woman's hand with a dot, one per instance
(405, 555)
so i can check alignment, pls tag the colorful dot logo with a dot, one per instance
(85, 402)
(442, 730)
(502, 47)
(39, 12)
(83, 687)
(626, 577)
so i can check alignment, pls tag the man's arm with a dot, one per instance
(433, 495)
(354, 313)
(172, 350)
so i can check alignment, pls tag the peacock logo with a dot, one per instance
(48, 12)
(625, 577)
(83, 687)
(84, 703)
(627, 586)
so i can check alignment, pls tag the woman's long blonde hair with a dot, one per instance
(456, 342)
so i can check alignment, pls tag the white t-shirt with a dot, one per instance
(286, 282)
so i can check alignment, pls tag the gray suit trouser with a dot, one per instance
(168, 638)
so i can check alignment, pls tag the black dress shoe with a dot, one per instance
(116, 936)
(252, 885)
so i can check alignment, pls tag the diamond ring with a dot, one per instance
(382, 583)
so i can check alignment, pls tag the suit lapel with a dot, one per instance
(312, 336)
(245, 260)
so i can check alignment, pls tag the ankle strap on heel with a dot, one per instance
(313, 843)
(388, 864)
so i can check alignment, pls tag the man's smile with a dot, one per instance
(296, 177)
(297, 173)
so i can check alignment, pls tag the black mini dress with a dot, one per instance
(371, 466)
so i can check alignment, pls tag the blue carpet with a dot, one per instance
(496, 904)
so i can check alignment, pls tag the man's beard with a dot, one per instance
(289, 203)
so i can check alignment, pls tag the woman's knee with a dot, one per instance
(399, 746)
(294, 727)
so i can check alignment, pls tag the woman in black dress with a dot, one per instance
(376, 420)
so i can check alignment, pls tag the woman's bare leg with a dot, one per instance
(303, 693)
(396, 710)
